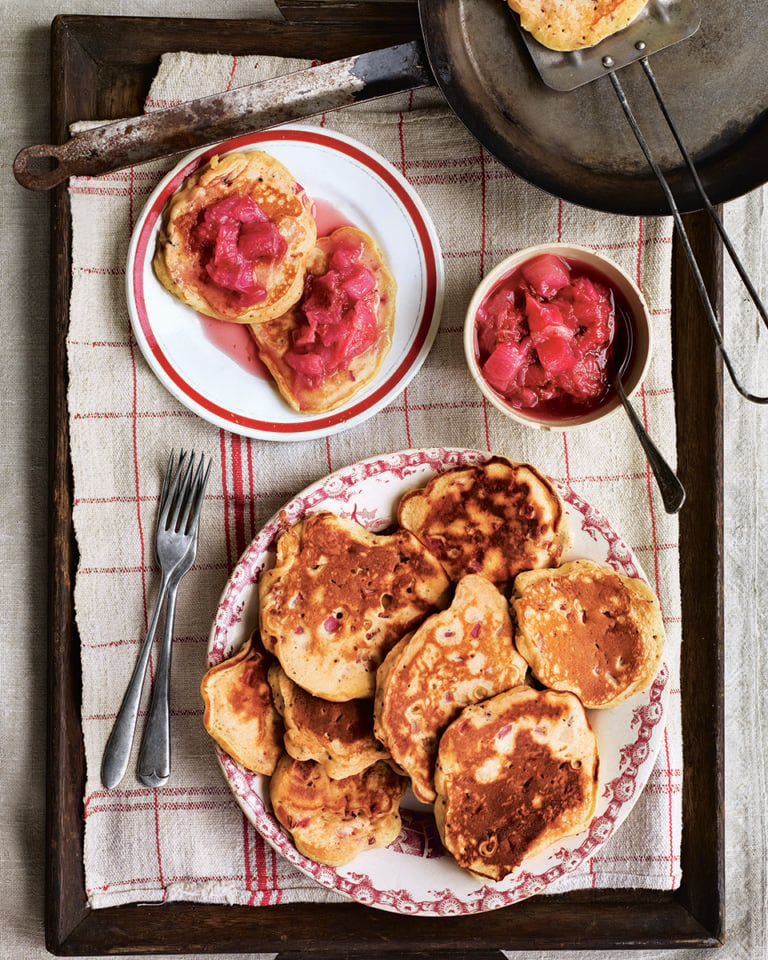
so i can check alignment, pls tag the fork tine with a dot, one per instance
(183, 492)
(190, 495)
(199, 494)
(165, 506)
(164, 492)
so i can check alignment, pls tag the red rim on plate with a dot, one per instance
(415, 875)
(381, 175)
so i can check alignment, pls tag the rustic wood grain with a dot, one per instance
(699, 391)
(101, 69)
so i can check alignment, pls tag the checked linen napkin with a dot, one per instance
(189, 840)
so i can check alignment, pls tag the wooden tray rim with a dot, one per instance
(690, 916)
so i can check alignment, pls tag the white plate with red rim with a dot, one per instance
(415, 875)
(211, 366)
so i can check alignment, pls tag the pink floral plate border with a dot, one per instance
(414, 875)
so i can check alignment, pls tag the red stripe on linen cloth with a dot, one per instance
(140, 526)
(251, 498)
(134, 395)
(238, 493)
(568, 478)
(247, 860)
(225, 494)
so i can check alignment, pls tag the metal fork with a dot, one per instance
(181, 501)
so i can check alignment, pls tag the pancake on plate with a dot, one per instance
(332, 821)
(497, 518)
(586, 628)
(459, 656)
(514, 775)
(339, 736)
(339, 597)
(575, 24)
(239, 712)
(234, 239)
(331, 343)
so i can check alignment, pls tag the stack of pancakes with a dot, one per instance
(455, 654)
(238, 242)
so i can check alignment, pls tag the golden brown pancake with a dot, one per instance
(459, 656)
(239, 712)
(234, 239)
(585, 628)
(497, 519)
(514, 775)
(575, 24)
(332, 821)
(340, 597)
(331, 343)
(339, 736)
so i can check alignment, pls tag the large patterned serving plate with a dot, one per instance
(415, 875)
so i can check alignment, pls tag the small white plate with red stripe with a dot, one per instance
(415, 875)
(211, 366)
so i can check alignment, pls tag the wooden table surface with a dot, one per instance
(24, 462)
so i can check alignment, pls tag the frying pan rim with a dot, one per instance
(727, 173)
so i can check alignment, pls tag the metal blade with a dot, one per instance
(197, 123)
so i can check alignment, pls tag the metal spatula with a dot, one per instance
(662, 23)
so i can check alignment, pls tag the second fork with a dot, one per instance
(180, 505)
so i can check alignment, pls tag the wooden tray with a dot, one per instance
(101, 69)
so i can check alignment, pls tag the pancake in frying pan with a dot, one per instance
(575, 24)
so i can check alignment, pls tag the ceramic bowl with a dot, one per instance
(628, 294)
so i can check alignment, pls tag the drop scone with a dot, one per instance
(339, 736)
(457, 657)
(332, 342)
(586, 628)
(514, 775)
(575, 24)
(240, 713)
(332, 821)
(234, 239)
(497, 518)
(339, 597)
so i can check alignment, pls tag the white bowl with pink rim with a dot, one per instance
(631, 336)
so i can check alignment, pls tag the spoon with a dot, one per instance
(672, 491)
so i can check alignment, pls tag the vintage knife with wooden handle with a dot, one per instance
(197, 123)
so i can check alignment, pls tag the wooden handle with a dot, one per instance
(46, 179)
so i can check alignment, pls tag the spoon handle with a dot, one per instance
(672, 491)
(154, 766)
